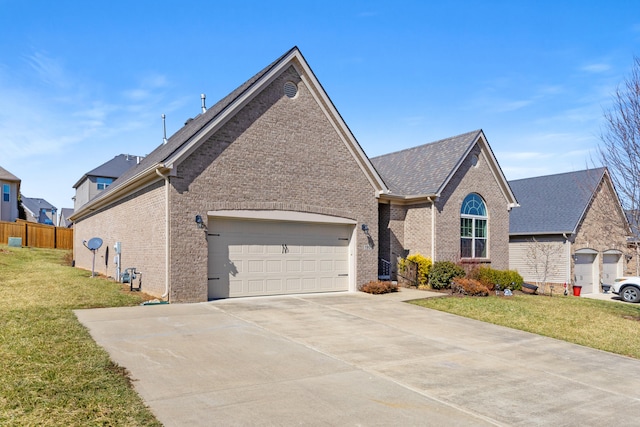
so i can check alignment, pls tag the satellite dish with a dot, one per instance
(93, 245)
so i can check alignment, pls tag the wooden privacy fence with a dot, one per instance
(37, 235)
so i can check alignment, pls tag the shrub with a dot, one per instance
(490, 277)
(465, 286)
(442, 272)
(379, 287)
(423, 264)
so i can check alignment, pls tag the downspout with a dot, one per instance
(569, 275)
(166, 233)
(433, 228)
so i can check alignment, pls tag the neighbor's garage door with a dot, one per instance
(611, 267)
(584, 271)
(252, 257)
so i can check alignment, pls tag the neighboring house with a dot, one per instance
(9, 190)
(448, 200)
(267, 192)
(64, 220)
(570, 228)
(100, 178)
(40, 211)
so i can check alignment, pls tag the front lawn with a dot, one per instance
(605, 325)
(52, 372)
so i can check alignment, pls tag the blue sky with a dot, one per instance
(83, 81)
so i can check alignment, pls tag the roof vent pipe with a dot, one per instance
(204, 107)
(164, 129)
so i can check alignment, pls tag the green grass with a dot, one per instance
(51, 370)
(605, 325)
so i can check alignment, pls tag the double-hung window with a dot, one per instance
(473, 227)
(6, 193)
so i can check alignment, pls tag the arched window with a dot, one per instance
(473, 227)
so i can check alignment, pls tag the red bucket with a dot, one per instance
(576, 290)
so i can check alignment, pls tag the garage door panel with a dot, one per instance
(293, 266)
(274, 285)
(326, 265)
(271, 257)
(309, 284)
(273, 266)
(293, 285)
(308, 265)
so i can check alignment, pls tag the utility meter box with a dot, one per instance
(116, 247)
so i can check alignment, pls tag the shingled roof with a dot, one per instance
(191, 128)
(181, 143)
(424, 170)
(34, 204)
(114, 168)
(553, 204)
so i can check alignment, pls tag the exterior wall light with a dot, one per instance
(365, 228)
(199, 221)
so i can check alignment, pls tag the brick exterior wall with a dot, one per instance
(138, 222)
(603, 228)
(406, 229)
(473, 179)
(417, 229)
(277, 153)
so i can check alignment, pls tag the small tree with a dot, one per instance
(540, 257)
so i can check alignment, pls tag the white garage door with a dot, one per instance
(584, 271)
(251, 257)
(611, 267)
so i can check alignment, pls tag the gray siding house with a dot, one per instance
(569, 229)
(9, 190)
(40, 211)
(99, 179)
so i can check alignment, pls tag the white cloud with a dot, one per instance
(596, 68)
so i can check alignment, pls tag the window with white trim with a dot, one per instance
(6, 192)
(103, 182)
(474, 234)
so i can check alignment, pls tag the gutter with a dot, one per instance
(132, 184)
(166, 231)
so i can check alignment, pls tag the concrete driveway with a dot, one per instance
(357, 359)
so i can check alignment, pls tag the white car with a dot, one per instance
(628, 288)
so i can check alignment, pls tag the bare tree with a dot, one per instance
(620, 148)
(542, 258)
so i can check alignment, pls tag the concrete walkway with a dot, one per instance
(357, 359)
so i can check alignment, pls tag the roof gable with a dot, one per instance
(197, 130)
(426, 170)
(5, 175)
(553, 204)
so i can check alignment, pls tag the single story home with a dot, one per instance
(570, 228)
(268, 192)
